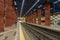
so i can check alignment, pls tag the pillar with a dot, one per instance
(39, 11)
(26, 19)
(30, 18)
(11, 15)
(47, 13)
(1, 15)
(34, 17)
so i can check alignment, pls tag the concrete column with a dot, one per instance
(34, 17)
(47, 13)
(39, 11)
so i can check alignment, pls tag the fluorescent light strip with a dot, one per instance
(15, 2)
(56, 2)
(57, 12)
(31, 8)
(39, 6)
(22, 7)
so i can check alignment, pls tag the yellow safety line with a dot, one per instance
(21, 33)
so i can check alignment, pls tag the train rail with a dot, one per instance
(39, 33)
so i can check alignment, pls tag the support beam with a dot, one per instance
(1, 15)
(47, 13)
(39, 11)
(10, 13)
(34, 17)
(31, 17)
(25, 19)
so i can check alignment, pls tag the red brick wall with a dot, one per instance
(39, 11)
(11, 15)
(1, 15)
(31, 17)
(47, 13)
(34, 17)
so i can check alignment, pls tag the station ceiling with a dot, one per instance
(27, 4)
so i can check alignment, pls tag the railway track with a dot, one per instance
(41, 33)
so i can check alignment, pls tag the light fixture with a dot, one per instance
(58, 0)
(55, 2)
(39, 6)
(14, 3)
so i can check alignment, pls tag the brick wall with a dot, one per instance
(39, 12)
(47, 13)
(1, 15)
(11, 15)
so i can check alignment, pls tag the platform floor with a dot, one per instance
(21, 33)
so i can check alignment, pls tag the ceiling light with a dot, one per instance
(15, 3)
(58, 0)
(39, 6)
(55, 2)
